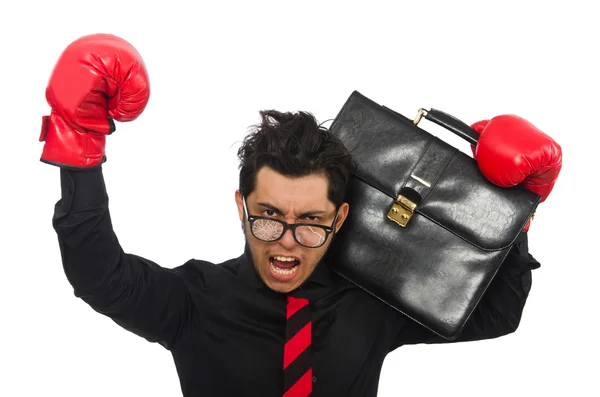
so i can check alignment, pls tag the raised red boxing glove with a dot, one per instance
(512, 151)
(96, 79)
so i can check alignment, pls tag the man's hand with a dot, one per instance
(512, 151)
(97, 79)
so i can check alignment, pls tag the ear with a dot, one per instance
(239, 201)
(342, 214)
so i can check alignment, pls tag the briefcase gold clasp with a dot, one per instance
(402, 210)
(419, 116)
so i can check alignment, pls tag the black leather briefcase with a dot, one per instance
(426, 231)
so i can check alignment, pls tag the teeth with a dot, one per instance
(284, 259)
(285, 272)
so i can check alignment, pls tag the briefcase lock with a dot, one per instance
(402, 210)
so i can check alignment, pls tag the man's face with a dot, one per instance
(284, 265)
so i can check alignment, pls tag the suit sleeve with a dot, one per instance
(500, 309)
(139, 295)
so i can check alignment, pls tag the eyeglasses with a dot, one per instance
(306, 234)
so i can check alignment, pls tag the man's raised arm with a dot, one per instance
(97, 79)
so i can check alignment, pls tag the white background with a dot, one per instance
(172, 173)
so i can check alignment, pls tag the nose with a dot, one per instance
(287, 240)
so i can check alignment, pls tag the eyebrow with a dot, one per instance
(307, 213)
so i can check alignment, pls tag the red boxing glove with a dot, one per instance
(97, 78)
(512, 151)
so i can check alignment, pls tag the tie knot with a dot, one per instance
(295, 304)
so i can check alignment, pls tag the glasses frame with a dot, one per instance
(292, 226)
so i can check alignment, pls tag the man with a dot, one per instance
(275, 321)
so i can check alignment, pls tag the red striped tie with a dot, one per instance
(297, 366)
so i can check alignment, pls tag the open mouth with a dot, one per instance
(283, 268)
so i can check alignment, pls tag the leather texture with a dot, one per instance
(437, 268)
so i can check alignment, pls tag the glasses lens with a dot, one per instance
(267, 229)
(311, 236)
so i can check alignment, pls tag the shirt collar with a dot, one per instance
(320, 278)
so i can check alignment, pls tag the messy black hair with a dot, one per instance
(294, 145)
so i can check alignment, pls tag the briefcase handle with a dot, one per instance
(449, 122)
